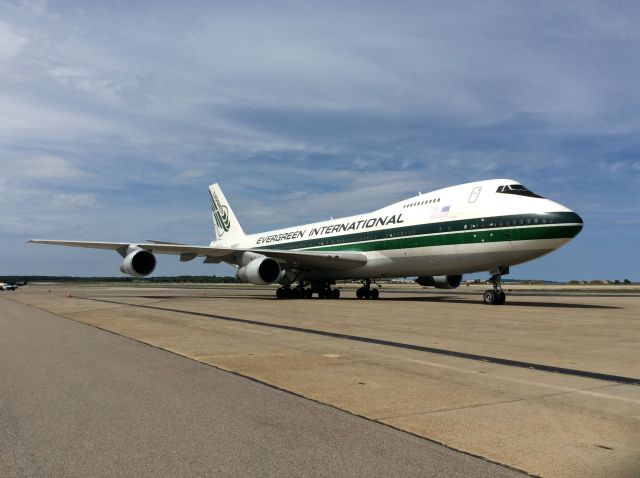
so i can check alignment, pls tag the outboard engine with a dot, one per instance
(260, 271)
(138, 263)
(440, 282)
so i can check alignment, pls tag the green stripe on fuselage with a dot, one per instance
(480, 230)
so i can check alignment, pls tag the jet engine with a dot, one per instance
(138, 263)
(260, 271)
(440, 282)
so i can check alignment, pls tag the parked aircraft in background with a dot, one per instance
(438, 236)
(11, 285)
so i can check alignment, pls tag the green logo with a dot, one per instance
(220, 213)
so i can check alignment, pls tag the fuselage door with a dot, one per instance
(474, 194)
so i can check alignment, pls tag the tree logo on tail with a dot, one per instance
(220, 213)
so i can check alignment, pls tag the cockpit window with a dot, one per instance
(517, 189)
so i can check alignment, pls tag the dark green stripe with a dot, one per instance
(460, 232)
(471, 237)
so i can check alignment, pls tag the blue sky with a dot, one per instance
(116, 116)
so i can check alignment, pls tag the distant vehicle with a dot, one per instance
(437, 236)
(11, 285)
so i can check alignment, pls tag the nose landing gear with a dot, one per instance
(496, 296)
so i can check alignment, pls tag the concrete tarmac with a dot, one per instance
(546, 383)
(80, 401)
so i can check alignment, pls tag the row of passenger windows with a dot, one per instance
(509, 222)
(420, 203)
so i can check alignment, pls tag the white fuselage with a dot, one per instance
(460, 229)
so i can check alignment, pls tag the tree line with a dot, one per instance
(180, 279)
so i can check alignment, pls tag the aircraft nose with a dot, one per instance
(579, 219)
(576, 222)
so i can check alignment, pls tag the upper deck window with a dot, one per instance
(518, 190)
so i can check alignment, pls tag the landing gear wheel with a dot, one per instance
(280, 293)
(375, 294)
(360, 293)
(308, 293)
(501, 297)
(295, 293)
(489, 297)
(335, 293)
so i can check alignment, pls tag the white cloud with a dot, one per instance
(45, 166)
(11, 43)
(73, 200)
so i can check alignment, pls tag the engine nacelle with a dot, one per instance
(440, 282)
(260, 271)
(138, 263)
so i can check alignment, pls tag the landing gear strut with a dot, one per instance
(496, 296)
(366, 292)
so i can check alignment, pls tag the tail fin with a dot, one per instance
(228, 229)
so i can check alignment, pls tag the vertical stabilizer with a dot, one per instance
(227, 227)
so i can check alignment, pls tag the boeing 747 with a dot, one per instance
(438, 236)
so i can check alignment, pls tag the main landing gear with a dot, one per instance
(366, 292)
(323, 290)
(289, 292)
(496, 296)
(328, 293)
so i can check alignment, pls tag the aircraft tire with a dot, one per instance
(489, 297)
(375, 294)
(501, 297)
(335, 294)
(308, 293)
(295, 293)
(280, 293)
(360, 293)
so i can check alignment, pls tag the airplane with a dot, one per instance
(11, 285)
(438, 236)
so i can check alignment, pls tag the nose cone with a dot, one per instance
(578, 223)
(569, 221)
(578, 219)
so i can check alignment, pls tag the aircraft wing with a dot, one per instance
(318, 260)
